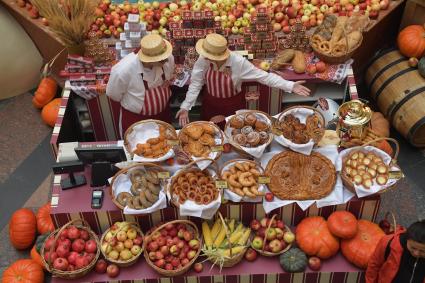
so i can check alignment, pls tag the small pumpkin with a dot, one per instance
(23, 270)
(36, 249)
(411, 41)
(293, 260)
(342, 224)
(45, 92)
(50, 112)
(359, 249)
(315, 239)
(44, 220)
(380, 125)
(385, 146)
(22, 228)
(421, 67)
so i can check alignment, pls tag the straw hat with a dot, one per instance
(153, 48)
(213, 47)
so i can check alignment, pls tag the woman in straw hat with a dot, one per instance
(223, 72)
(140, 82)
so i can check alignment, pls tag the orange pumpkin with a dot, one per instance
(342, 224)
(45, 92)
(23, 270)
(411, 41)
(385, 146)
(44, 220)
(35, 256)
(315, 239)
(380, 125)
(50, 112)
(359, 249)
(22, 228)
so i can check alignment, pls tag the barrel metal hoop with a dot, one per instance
(379, 55)
(390, 79)
(413, 129)
(380, 72)
(402, 101)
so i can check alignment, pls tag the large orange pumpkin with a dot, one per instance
(411, 41)
(45, 92)
(23, 271)
(50, 112)
(342, 224)
(359, 249)
(22, 228)
(44, 220)
(315, 239)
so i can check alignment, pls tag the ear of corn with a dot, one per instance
(235, 236)
(207, 234)
(232, 225)
(220, 237)
(244, 238)
(216, 228)
(235, 251)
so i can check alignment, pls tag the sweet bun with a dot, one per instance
(250, 119)
(237, 122)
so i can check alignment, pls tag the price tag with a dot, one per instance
(173, 142)
(163, 175)
(277, 131)
(217, 148)
(221, 184)
(395, 175)
(264, 180)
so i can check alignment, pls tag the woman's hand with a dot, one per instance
(300, 89)
(183, 116)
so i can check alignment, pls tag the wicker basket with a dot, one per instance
(315, 111)
(184, 269)
(76, 273)
(234, 144)
(123, 263)
(219, 134)
(262, 251)
(124, 171)
(233, 259)
(347, 181)
(131, 129)
(189, 167)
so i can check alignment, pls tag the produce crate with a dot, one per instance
(414, 13)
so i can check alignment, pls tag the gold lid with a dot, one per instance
(355, 113)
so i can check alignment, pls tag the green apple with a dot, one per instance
(135, 250)
(257, 243)
(113, 254)
(173, 6)
(271, 234)
(125, 254)
(289, 237)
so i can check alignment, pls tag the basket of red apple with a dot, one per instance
(272, 237)
(122, 243)
(172, 248)
(71, 251)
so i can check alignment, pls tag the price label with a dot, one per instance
(277, 131)
(221, 184)
(395, 175)
(173, 142)
(264, 180)
(163, 175)
(217, 148)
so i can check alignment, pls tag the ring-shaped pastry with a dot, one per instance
(123, 198)
(185, 187)
(325, 47)
(206, 199)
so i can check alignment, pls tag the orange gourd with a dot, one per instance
(385, 146)
(342, 224)
(411, 41)
(35, 256)
(23, 271)
(380, 125)
(315, 239)
(45, 92)
(22, 228)
(359, 249)
(50, 112)
(44, 220)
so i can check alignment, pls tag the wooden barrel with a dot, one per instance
(399, 91)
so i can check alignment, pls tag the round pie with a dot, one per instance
(295, 176)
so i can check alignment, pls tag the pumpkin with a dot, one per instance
(315, 239)
(35, 251)
(44, 220)
(23, 270)
(411, 41)
(421, 67)
(342, 224)
(384, 146)
(22, 228)
(45, 92)
(293, 260)
(50, 112)
(359, 249)
(380, 125)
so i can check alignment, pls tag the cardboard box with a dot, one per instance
(177, 33)
(208, 15)
(188, 33)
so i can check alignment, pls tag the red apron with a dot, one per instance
(219, 96)
(156, 106)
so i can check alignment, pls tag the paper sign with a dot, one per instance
(277, 131)
(173, 142)
(217, 148)
(264, 180)
(163, 175)
(395, 175)
(221, 184)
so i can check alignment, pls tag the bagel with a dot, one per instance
(123, 198)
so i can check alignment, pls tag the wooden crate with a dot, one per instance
(414, 13)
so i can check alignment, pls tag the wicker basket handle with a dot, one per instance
(227, 233)
(395, 142)
(389, 213)
(267, 230)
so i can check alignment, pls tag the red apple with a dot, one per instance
(161, 241)
(198, 267)
(73, 233)
(269, 197)
(78, 245)
(81, 261)
(160, 263)
(101, 266)
(153, 246)
(227, 148)
(314, 263)
(291, 12)
(251, 255)
(63, 250)
(311, 69)
(72, 257)
(138, 240)
(60, 264)
(52, 256)
(90, 246)
(320, 66)
(279, 16)
(255, 224)
(113, 270)
(49, 243)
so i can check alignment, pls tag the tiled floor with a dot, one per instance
(25, 173)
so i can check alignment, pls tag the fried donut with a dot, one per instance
(194, 131)
(193, 181)
(191, 195)
(198, 199)
(237, 122)
(226, 175)
(248, 193)
(250, 119)
(207, 139)
(202, 189)
(123, 198)
(203, 181)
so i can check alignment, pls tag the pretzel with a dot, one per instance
(324, 46)
(339, 49)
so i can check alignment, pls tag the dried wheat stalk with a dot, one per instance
(68, 19)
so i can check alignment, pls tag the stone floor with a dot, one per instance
(25, 173)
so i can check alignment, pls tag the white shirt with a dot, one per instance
(242, 71)
(126, 85)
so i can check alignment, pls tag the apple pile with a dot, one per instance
(172, 247)
(122, 242)
(73, 250)
(278, 237)
(110, 18)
